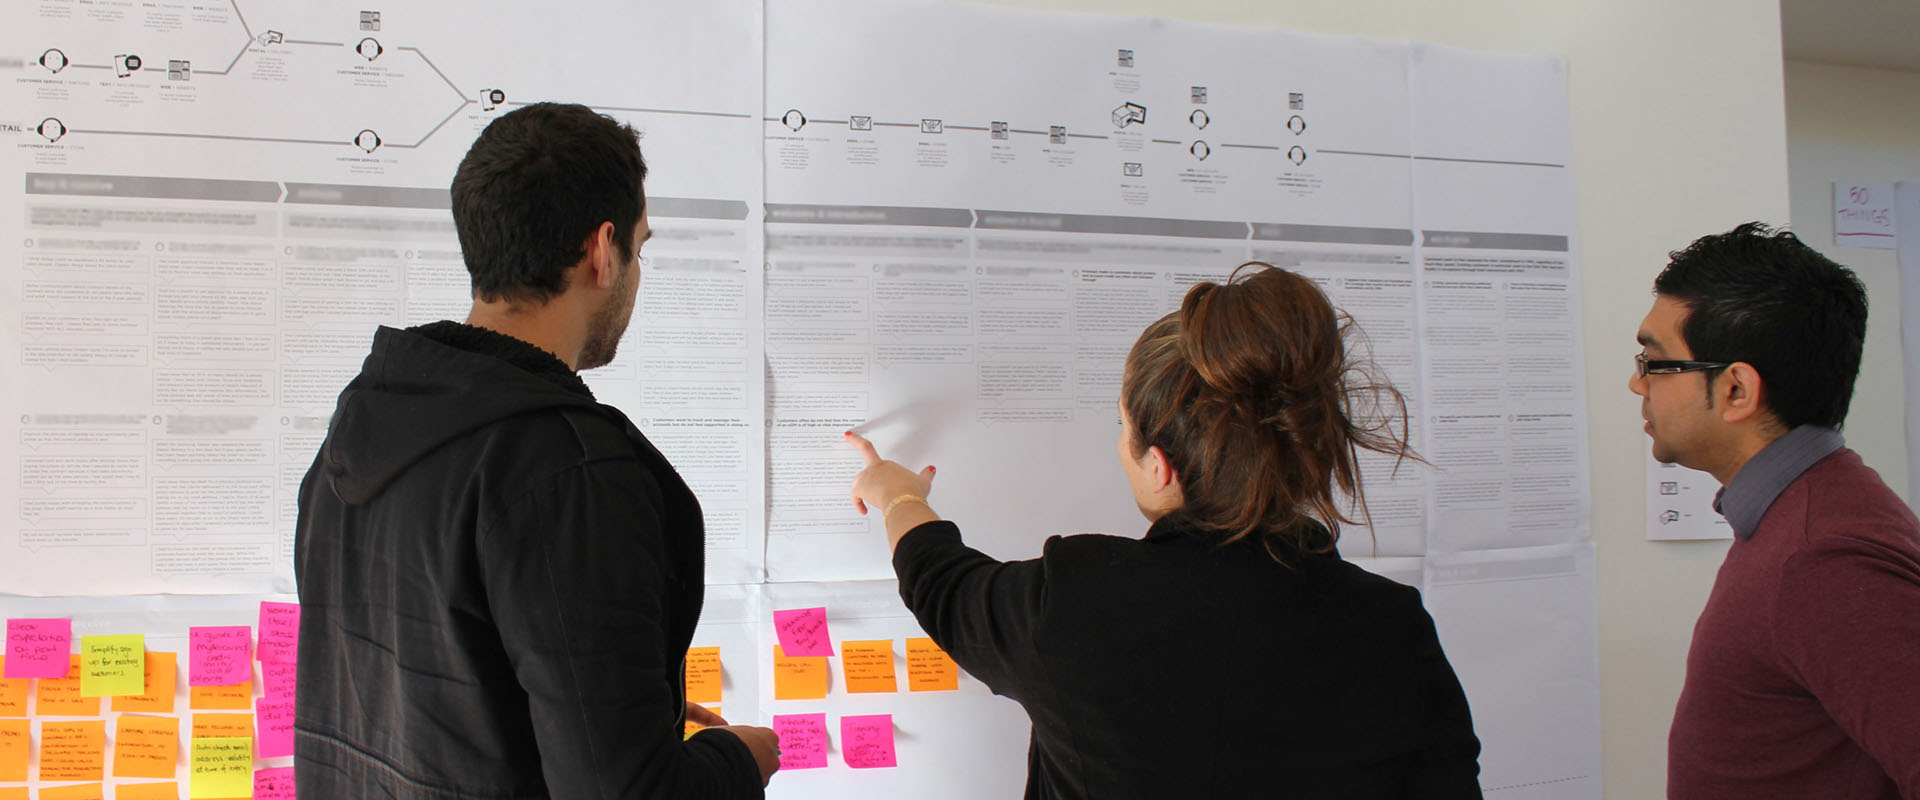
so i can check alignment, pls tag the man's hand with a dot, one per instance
(699, 715)
(764, 744)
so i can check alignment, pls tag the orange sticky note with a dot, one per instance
(13, 694)
(85, 791)
(703, 675)
(868, 666)
(60, 697)
(800, 677)
(929, 669)
(13, 793)
(73, 751)
(222, 726)
(16, 739)
(160, 676)
(147, 791)
(238, 697)
(146, 747)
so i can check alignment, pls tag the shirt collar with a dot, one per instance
(1761, 480)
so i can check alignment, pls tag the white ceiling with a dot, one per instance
(1883, 34)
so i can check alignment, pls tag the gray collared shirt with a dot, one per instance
(1761, 480)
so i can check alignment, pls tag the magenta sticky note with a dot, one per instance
(803, 740)
(273, 784)
(866, 741)
(273, 724)
(803, 631)
(219, 655)
(276, 680)
(38, 648)
(279, 632)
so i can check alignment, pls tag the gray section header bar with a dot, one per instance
(1088, 223)
(870, 215)
(696, 208)
(341, 194)
(134, 186)
(1331, 234)
(1473, 240)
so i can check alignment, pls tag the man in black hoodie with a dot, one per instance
(499, 576)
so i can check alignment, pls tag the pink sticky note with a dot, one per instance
(38, 648)
(276, 680)
(273, 723)
(279, 632)
(803, 740)
(273, 784)
(867, 741)
(803, 631)
(219, 656)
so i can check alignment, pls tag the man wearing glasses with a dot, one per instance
(1803, 679)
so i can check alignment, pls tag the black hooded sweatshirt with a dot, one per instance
(499, 578)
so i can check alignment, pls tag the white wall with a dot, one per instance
(1679, 131)
(1853, 124)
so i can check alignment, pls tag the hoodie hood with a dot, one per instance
(423, 387)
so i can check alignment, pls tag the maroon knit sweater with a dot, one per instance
(1804, 676)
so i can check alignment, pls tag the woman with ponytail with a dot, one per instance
(1229, 652)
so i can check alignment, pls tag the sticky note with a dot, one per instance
(222, 726)
(85, 791)
(274, 720)
(220, 768)
(38, 648)
(866, 742)
(73, 751)
(692, 727)
(60, 697)
(929, 669)
(147, 791)
(13, 793)
(803, 631)
(16, 739)
(159, 679)
(146, 747)
(279, 632)
(238, 697)
(803, 740)
(273, 784)
(798, 678)
(703, 675)
(219, 655)
(112, 666)
(277, 680)
(13, 694)
(868, 666)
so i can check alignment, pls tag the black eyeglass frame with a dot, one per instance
(1647, 366)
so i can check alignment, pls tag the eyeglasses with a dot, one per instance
(1644, 366)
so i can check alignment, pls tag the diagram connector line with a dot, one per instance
(1252, 146)
(677, 111)
(322, 44)
(436, 71)
(217, 136)
(1363, 153)
(236, 58)
(436, 129)
(243, 22)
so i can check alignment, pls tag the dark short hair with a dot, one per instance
(1764, 297)
(537, 182)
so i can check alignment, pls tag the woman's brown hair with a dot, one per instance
(1261, 395)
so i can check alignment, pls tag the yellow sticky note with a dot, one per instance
(929, 669)
(238, 697)
(800, 677)
(703, 675)
(147, 791)
(85, 791)
(112, 666)
(13, 693)
(16, 739)
(221, 768)
(60, 697)
(868, 666)
(73, 751)
(146, 747)
(222, 726)
(158, 694)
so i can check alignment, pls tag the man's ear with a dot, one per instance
(1739, 392)
(602, 262)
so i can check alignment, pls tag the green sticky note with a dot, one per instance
(113, 666)
(222, 767)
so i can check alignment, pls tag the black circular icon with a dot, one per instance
(367, 140)
(1200, 149)
(1298, 155)
(52, 129)
(54, 60)
(1200, 119)
(369, 48)
(1297, 124)
(133, 63)
(794, 119)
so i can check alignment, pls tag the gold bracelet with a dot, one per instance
(905, 498)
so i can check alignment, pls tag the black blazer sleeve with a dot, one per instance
(981, 611)
(1449, 765)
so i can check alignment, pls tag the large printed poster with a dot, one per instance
(937, 223)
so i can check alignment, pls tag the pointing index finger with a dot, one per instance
(865, 447)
